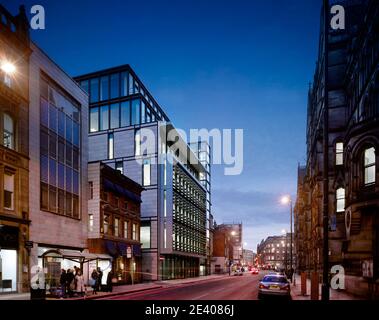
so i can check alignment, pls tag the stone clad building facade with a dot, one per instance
(353, 155)
(14, 148)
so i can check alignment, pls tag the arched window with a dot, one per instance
(369, 166)
(339, 153)
(8, 131)
(340, 197)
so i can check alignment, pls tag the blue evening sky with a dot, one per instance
(209, 64)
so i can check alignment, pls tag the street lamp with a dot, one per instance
(8, 67)
(286, 200)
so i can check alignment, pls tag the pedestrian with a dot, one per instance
(93, 281)
(109, 281)
(99, 279)
(70, 283)
(80, 283)
(62, 281)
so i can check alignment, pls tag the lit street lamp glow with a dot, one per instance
(8, 67)
(285, 200)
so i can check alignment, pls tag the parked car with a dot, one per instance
(274, 285)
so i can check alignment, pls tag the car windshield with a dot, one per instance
(274, 279)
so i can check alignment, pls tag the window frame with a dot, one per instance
(367, 166)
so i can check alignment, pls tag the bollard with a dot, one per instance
(315, 286)
(303, 284)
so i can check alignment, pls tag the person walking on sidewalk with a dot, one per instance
(63, 281)
(109, 281)
(70, 283)
(99, 278)
(79, 283)
(94, 281)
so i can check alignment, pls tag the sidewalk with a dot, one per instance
(334, 294)
(128, 289)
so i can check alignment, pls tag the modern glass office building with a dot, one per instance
(174, 204)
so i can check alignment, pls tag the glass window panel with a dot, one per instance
(68, 206)
(124, 84)
(143, 112)
(75, 182)
(137, 143)
(146, 173)
(115, 116)
(52, 199)
(104, 118)
(52, 172)
(44, 197)
(110, 146)
(69, 154)
(75, 206)
(68, 129)
(53, 117)
(84, 85)
(131, 84)
(8, 131)
(44, 143)
(76, 134)
(75, 158)
(104, 88)
(44, 112)
(61, 178)
(125, 114)
(44, 169)
(68, 179)
(115, 85)
(61, 149)
(94, 90)
(53, 145)
(135, 111)
(61, 201)
(340, 195)
(61, 123)
(94, 120)
(370, 156)
(145, 237)
(370, 175)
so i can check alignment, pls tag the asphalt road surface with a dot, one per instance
(234, 288)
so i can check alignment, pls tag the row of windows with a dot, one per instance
(59, 201)
(59, 123)
(368, 168)
(59, 152)
(116, 227)
(115, 86)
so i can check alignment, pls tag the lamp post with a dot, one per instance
(285, 201)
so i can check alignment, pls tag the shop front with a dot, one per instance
(9, 257)
(126, 260)
(52, 261)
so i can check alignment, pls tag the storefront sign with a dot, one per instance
(8, 237)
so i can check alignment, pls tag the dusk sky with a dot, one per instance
(209, 64)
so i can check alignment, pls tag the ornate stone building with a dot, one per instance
(14, 148)
(353, 143)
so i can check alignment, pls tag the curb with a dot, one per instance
(96, 297)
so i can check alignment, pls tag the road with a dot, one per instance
(233, 288)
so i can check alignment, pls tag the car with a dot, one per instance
(238, 272)
(274, 285)
(254, 271)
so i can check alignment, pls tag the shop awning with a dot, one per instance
(77, 256)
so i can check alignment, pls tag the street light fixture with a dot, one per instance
(287, 200)
(8, 67)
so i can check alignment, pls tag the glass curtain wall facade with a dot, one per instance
(59, 151)
(120, 106)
